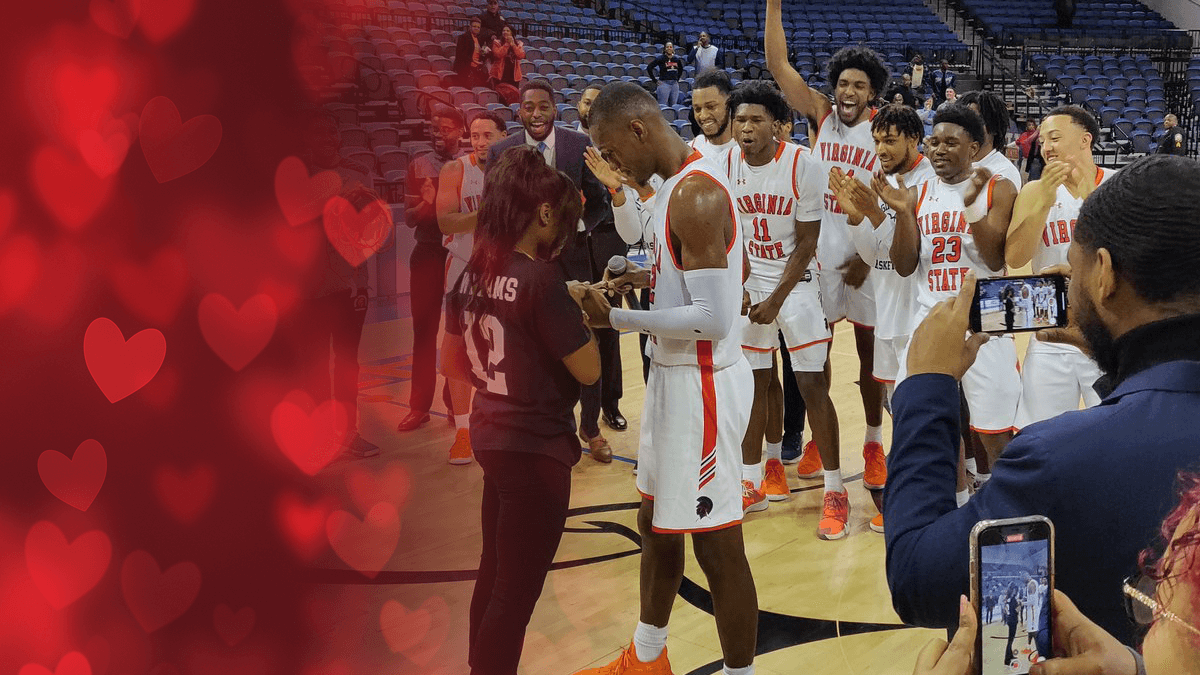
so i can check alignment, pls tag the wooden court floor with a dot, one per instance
(824, 606)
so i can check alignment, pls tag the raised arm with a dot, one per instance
(812, 104)
(997, 196)
(1030, 211)
(450, 219)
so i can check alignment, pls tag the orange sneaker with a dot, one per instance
(775, 485)
(628, 664)
(752, 498)
(460, 452)
(810, 465)
(877, 523)
(834, 514)
(875, 471)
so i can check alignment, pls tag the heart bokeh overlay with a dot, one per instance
(158, 239)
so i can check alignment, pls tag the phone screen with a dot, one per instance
(1015, 583)
(1019, 304)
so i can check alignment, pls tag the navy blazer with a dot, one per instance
(1104, 476)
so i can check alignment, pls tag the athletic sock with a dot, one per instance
(748, 670)
(462, 421)
(833, 481)
(753, 473)
(649, 641)
(775, 450)
(874, 434)
(972, 466)
(962, 497)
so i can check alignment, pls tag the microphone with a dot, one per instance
(618, 265)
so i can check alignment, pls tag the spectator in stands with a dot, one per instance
(916, 72)
(491, 21)
(427, 264)
(507, 53)
(334, 309)
(469, 56)
(910, 96)
(1065, 11)
(1027, 142)
(1173, 140)
(706, 56)
(1135, 308)
(926, 114)
(665, 72)
(585, 256)
(590, 92)
(941, 80)
(951, 99)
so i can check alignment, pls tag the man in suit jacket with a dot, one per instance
(586, 255)
(1105, 475)
(469, 56)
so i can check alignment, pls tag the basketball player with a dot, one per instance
(1055, 376)
(778, 189)
(460, 187)
(700, 388)
(842, 139)
(944, 229)
(897, 130)
(710, 108)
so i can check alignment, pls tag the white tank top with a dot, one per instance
(894, 293)
(667, 286)
(852, 149)
(710, 149)
(770, 200)
(460, 245)
(1056, 239)
(998, 164)
(948, 250)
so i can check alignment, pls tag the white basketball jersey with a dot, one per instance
(852, 149)
(667, 285)
(999, 165)
(894, 294)
(469, 193)
(710, 149)
(770, 200)
(948, 250)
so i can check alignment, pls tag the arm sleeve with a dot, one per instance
(629, 218)
(557, 319)
(715, 305)
(865, 242)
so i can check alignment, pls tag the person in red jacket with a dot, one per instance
(507, 54)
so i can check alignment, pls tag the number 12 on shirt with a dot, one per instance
(486, 362)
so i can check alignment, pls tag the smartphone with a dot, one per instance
(1012, 586)
(1019, 304)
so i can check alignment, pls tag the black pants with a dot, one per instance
(525, 500)
(316, 325)
(793, 403)
(427, 279)
(1008, 649)
(607, 392)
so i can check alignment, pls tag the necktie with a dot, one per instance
(541, 146)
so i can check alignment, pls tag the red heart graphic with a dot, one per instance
(157, 598)
(154, 291)
(302, 198)
(64, 572)
(20, 265)
(119, 367)
(365, 545)
(418, 634)
(303, 526)
(85, 98)
(68, 188)
(77, 480)
(72, 663)
(237, 335)
(310, 441)
(103, 154)
(172, 148)
(391, 484)
(160, 19)
(8, 209)
(403, 629)
(233, 627)
(115, 18)
(185, 495)
(357, 234)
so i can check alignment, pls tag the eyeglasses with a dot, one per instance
(1144, 609)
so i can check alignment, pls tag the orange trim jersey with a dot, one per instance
(852, 149)
(948, 250)
(469, 193)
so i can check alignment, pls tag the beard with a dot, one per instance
(1099, 338)
(721, 130)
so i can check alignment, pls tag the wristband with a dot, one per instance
(976, 211)
(612, 191)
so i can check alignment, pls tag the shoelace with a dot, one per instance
(833, 503)
(619, 666)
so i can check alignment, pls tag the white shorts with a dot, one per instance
(842, 301)
(690, 456)
(1053, 380)
(992, 385)
(805, 332)
(887, 358)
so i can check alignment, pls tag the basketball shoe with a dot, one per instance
(752, 498)
(875, 471)
(460, 452)
(627, 664)
(775, 485)
(834, 514)
(877, 523)
(810, 465)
